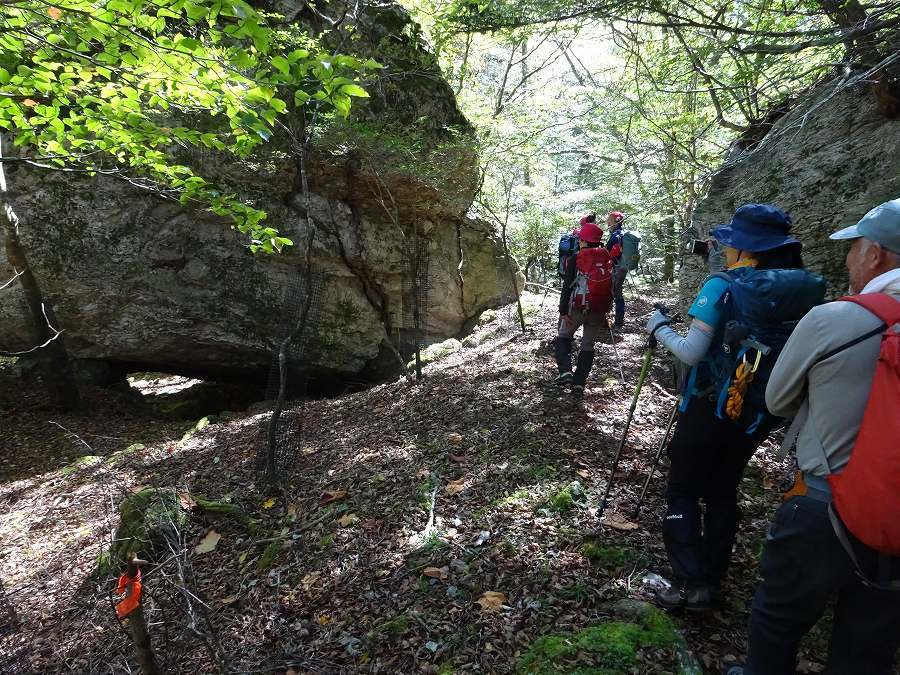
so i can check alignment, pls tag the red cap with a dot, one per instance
(591, 233)
(618, 216)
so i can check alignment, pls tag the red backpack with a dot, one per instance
(592, 289)
(866, 494)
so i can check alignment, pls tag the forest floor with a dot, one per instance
(442, 526)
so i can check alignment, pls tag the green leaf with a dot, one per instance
(281, 64)
(300, 98)
(354, 90)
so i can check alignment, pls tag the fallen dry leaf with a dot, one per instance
(208, 543)
(332, 496)
(348, 519)
(459, 459)
(617, 522)
(583, 473)
(454, 438)
(310, 580)
(437, 572)
(323, 620)
(491, 600)
(29, 103)
(456, 486)
(186, 501)
(269, 503)
(229, 600)
(54, 13)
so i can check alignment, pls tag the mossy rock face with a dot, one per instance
(610, 648)
(146, 519)
(487, 316)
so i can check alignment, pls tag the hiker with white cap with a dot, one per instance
(836, 537)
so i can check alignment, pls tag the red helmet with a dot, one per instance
(591, 233)
(617, 216)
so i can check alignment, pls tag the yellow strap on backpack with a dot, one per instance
(743, 376)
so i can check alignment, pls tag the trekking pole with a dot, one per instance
(659, 452)
(612, 336)
(645, 368)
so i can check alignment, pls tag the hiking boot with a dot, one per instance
(578, 390)
(698, 599)
(563, 354)
(582, 368)
(563, 379)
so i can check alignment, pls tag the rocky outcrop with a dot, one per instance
(826, 162)
(150, 285)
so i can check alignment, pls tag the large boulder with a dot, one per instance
(826, 162)
(146, 284)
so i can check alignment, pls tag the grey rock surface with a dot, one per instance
(826, 162)
(145, 283)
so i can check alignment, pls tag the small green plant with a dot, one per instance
(423, 492)
(562, 500)
(394, 627)
(326, 541)
(579, 591)
(268, 557)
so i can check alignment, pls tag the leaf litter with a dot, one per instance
(353, 581)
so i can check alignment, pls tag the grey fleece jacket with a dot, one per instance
(837, 388)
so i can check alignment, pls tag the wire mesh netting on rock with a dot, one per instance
(278, 440)
(410, 319)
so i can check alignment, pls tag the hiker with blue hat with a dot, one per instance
(740, 320)
(835, 539)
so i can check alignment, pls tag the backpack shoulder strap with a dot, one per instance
(881, 305)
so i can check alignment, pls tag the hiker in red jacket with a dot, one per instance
(825, 377)
(585, 300)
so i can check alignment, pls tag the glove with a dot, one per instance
(657, 320)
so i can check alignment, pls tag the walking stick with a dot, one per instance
(659, 452)
(645, 368)
(612, 336)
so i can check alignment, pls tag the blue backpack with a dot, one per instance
(761, 308)
(568, 247)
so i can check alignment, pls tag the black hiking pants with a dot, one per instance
(707, 456)
(803, 567)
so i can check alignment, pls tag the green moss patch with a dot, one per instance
(610, 648)
(81, 463)
(607, 556)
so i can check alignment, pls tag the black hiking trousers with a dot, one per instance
(803, 568)
(708, 456)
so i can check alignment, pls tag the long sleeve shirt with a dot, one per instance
(835, 389)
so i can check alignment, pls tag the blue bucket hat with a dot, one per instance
(755, 228)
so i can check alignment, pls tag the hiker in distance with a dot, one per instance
(614, 221)
(723, 419)
(585, 300)
(846, 498)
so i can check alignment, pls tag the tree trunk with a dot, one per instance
(56, 369)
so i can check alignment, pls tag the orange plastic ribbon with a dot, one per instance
(131, 587)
